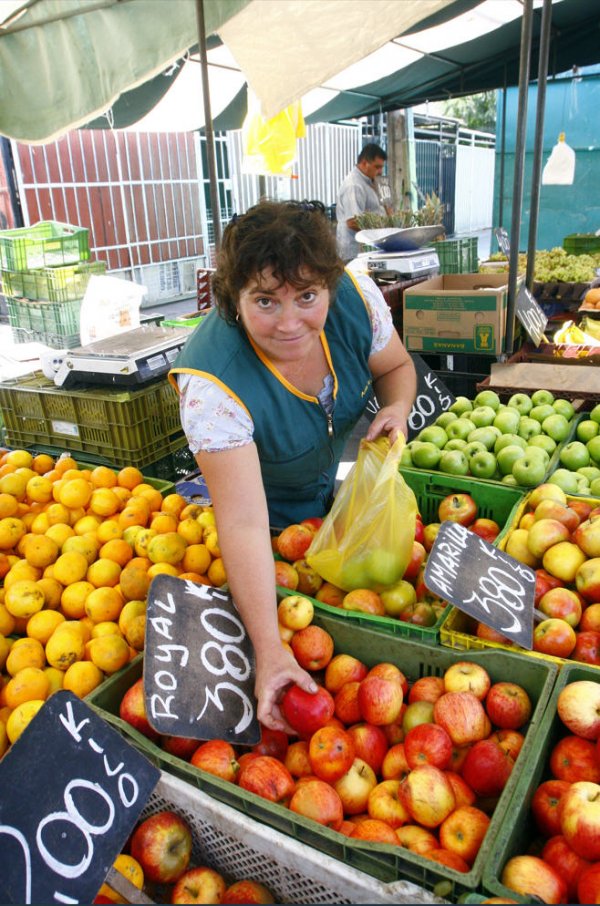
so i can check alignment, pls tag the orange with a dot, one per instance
(27, 684)
(122, 493)
(76, 514)
(196, 558)
(191, 511)
(40, 550)
(8, 505)
(103, 604)
(21, 569)
(131, 532)
(69, 474)
(87, 523)
(25, 652)
(174, 504)
(103, 477)
(5, 646)
(82, 677)
(118, 550)
(130, 610)
(142, 540)
(24, 598)
(131, 515)
(7, 621)
(169, 569)
(55, 679)
(84, 544)
(42, 463)
(207, 519)
(190, 530)
(212, 542)
(39, 524)
(104, 502)
(150, 494)
(82, 628)
(134, 582)
(73, 598)
(4, 565)
(56, 513)
(109, 653)
(216, 572)
(14, 484)
(106, 627)
(19, 458)
(59, 532)
(63, 463)
(64, 647)
(52, 592)
(75, 492)
(136, 632)
(42, 624)
(198, 578)
(109, 530)
(104, 572)
(39, 489)
(70, 567)
(129, 477)
(164, 522)
(21, 717)
(11, 532)
(167, 548)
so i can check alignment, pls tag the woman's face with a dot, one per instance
(283, 321)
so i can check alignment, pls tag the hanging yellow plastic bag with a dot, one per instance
(366, 539)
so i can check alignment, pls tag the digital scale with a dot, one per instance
(124, 360)
(402, 252)
(419, 263)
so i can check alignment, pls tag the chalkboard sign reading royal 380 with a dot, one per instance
(198, 664)
(71, 792)
(482, 581)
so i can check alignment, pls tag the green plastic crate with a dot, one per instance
(52, 284)
(192, 320)
(126, 427)
(388, 863)
(581, 243)
(55, 324)
(457, 256)
(519, 831)
(430, 489)
(45, 244)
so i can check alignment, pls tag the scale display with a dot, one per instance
(422, 262)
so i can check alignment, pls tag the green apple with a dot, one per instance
(355, 574)
(486, 436)
(460, 428)
(426, 455)
(406, 458)
(507, 456)
(445, 418)
(384, 567)
(454, 462)
(399, 596)
(433, 434)
(461, 405)
(487, 398)
(510, 480)
(593, 447)
(507, 420)
(595, 487)
(522, 402)
(542, 396)
(472, 447)
(482, 464)
(528, 427)
(589, 472)
(506, 440)
(540, 453)
(456, 443)
(586, 430)
(564, 407)
(544, 441)
(583, 485)
(481, 416)
(595, 414)
(574, 455)
(556, 426)
(565, 480)
(529, 471)
(541, 412)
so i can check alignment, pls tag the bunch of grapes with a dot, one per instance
(553, 266)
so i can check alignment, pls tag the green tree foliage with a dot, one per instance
(476, 111)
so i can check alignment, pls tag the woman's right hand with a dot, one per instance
(274, 675)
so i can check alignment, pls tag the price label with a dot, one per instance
(198, 664)
(530, 315)
(71, 792)
(502, 240)
(482, 581)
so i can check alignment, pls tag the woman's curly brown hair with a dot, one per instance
(289, 237)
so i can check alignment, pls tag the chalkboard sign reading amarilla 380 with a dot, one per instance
(482, 581)
(198, 664)
(71, 792)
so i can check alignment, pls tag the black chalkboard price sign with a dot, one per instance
(531, 315)
(198, 664)
(71, 792)
(482, 581)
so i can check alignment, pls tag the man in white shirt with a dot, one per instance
(357, 195)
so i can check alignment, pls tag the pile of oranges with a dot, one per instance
(79, 548)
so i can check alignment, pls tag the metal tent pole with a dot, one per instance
(210, 138)
(517, 201)
(538, 144)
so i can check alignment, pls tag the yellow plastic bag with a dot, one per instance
(366, 539)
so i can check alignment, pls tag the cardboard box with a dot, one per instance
(457, 313)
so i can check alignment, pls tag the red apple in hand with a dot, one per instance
(162, 844)
(199, 885)
(306, 712)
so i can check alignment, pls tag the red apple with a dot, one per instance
(459, 508)
(462, 832)
(216, 757)
(416, 839)
(554, 636)
(268, 778)
(544, 534)
(579, 815)
(247, 891)
(419, 712)
(578, 707)
(272, 742)
(312, 522)
(364, 600)
(463, 793)
(428, 795)
(587, 647)
(296, 759)
(467, 676)
(587, 579)
(379, 699)
(563, 560)
(508, 705)
(582, 508)
(312, 647)
(199, 885)
(447, 858)
(354, 787)
(346, 704)
(587, 536)
(532, 877)
(563, 604)
(554, 509)
(544, 805)
(370, 744)
(162, 844)
(573, 758)
(566, 862)
(426, 688)
(417, 558)
(295, 612)
(318, 800)
(330, 594)
(394, 765)
(133, 710)
(419, 529)
(457, 759)
(398, 598)
(430, 533)
(590, 619)
(309, 581)
(509, 740)
(428, 744)
(483, 631)
(331, 753)
(487, 768)
(246, 758)
(588, 886)
(294, 541)
(394, 732)
(179, 746)
(488, 529)
(462, 716)
(304, 711)
(286, 575)
(543, 583)
(391, 672)
(343, 668)
(385, 803)
(375, 831)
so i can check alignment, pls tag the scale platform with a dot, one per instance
(418, 263)
(124, 360)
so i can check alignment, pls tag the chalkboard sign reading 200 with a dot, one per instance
(198, 664)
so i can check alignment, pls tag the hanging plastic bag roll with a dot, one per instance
(560, 168)
(366, 539)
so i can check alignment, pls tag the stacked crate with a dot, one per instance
(45, 269)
